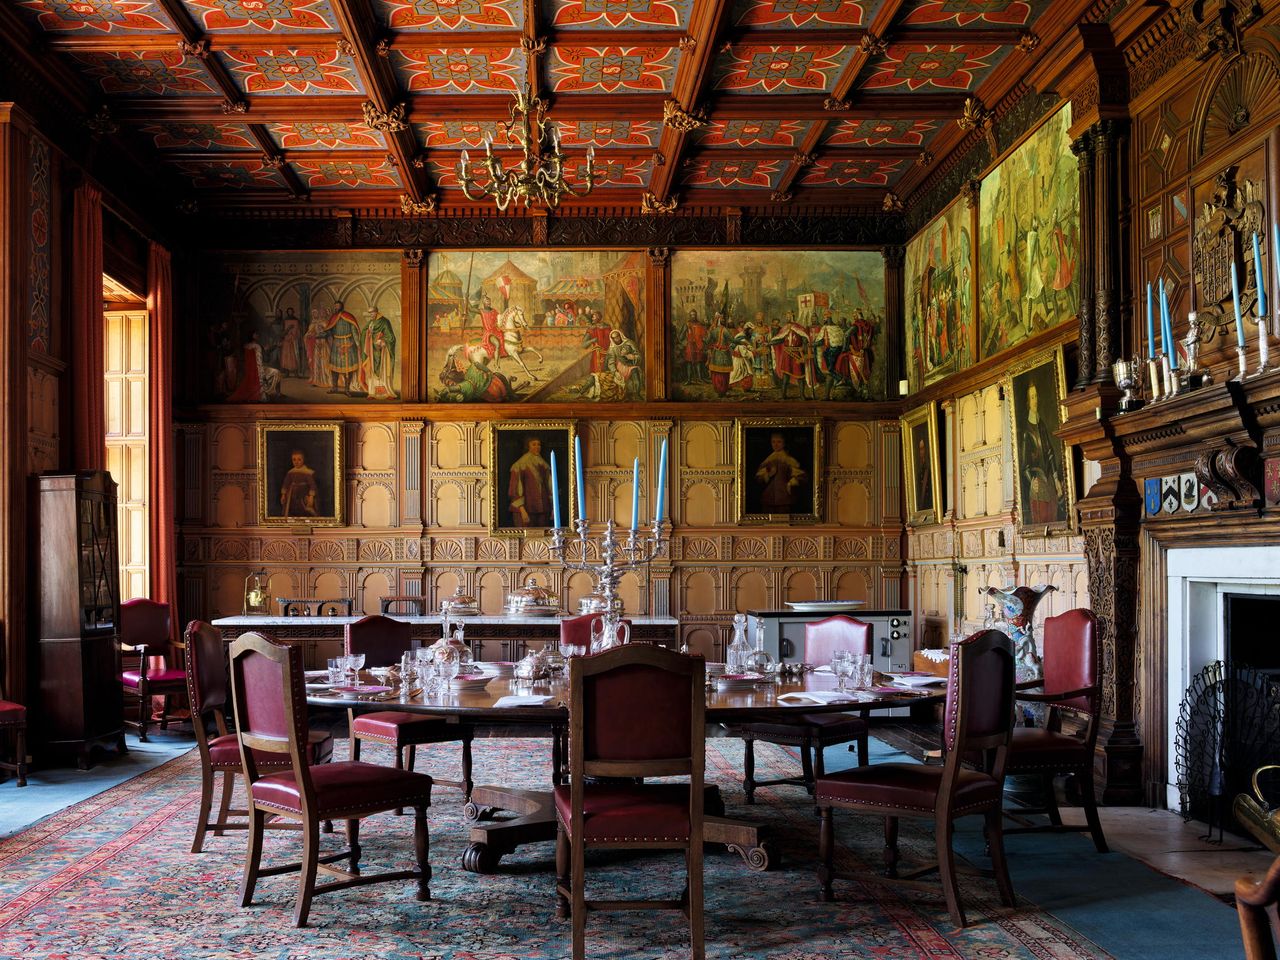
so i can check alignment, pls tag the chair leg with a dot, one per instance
(890, 846)
(20, 745)
(697, 936)
(467, 782)
(995, 840)
(307, 873)
(164, 712)
(355, 747)
(144, 713)
(253, 855)
(413, 756)
(562, 872)
(819, 760)
(399, 752)
(1050, 799)
(749, 769)
(806, 766)
(943, 831)
(826, 852)
(206, 805)
(578, 891)
(1089, 798)
(353, 845)
(224, 805)
(864, 755)
(422, 850)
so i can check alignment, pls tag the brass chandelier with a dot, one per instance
(539, 177)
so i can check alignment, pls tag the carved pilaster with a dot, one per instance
(1108, 137)
(894, 257)
(413, 283)
(1082, 147)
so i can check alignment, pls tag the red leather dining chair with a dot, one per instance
(209, 696)
(978, 721)
(608, 694)
(269, 695)
(1070, 687)
(811, 732)
(13, 721)
(145, 627)
(383, 640)
(575, 634)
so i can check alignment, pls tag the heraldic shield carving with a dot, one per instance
(1224, 233)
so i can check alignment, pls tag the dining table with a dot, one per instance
(502, 818)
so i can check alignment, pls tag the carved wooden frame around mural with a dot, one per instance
(920, 432)
(308, 492)
(759, 461)
(1042, 464)
(508, 444)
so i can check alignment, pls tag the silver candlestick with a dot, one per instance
(1154, 366)
(1241, 362)
(1264, 348)
(617, 557)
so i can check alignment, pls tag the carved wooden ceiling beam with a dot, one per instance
(688, 89)
(380, 81)
(195, 44)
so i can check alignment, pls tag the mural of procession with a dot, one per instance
(536, 326)
(777, 325)
(303, 328)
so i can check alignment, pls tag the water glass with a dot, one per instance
(863, 672)
(337, 670)
(447, 667)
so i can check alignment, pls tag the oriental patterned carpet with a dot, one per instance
(112, 877)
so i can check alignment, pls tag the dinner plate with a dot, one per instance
(736, 682)
(469, 683)
(825, 606)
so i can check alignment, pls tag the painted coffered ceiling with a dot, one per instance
(702, 102)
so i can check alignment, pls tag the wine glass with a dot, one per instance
(447, 665)
(355, 662)
(842, 666)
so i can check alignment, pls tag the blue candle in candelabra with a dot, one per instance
(662, 482)
(1275, 247)
(1151, 330)
(1257, 272)
(1166, 327)
(555, 493)
(582, 487)
(635, 494)
(1166, 335)
(1235, 303)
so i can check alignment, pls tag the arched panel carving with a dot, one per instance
(701, 446)
(853, 446)
(750, 592)
(377, 447)
(446, 584)
(854, 585)
(229, 507)
(703, 642)
(492, 592)
(579, 584)
(995, 486)
(970, 423)
(231, 448)
(800, 585)
(372, 590)
(993, 414)
(699, 590)
(853, 504)
(628, 443)
(449, 504)
(330, 585)
(629, 591)
(376, 506)
(449, 445)
(1242, 93)
(227, 598)
(700, 504)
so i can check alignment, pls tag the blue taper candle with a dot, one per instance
(555, 492)
(582, 487)
(1262, 284)
(662, 482)
(1275, 247)
(1235, 302)
(635, 494)
(1151, 329)
(1166, 335)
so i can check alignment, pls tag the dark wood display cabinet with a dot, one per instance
(78, 608)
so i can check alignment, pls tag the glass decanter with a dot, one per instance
(760, 660)
(739, 652)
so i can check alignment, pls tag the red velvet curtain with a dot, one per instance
(88, 332)
(162, 480)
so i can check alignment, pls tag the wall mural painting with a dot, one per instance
(939, 295)
(777, 325)
(1029, 239)
(304, 328)
(536, 326)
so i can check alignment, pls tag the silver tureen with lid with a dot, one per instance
(532, 600)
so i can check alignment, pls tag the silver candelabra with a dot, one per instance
(617, 557)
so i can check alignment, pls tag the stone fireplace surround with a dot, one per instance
(1196, 580)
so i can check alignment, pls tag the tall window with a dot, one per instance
(126, 415)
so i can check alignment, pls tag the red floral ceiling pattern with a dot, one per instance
(739, 103)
